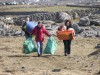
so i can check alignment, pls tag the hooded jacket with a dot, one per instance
(39, 33)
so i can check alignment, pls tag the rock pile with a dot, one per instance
(6, 30)
(88, 26)
(60, 16)
(91, 31)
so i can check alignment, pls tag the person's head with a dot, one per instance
(68, 23)
(27, 18)
(32, 19)
(39, 24)
(61, 26)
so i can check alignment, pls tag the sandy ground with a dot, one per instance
(84, 58)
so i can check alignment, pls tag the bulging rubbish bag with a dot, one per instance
(29, 46)
(51, 46)
(30, 26)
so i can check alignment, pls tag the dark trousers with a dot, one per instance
(67, 46)
(27, 35)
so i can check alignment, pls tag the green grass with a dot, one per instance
(32, 8)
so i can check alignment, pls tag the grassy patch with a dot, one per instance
(32, 8)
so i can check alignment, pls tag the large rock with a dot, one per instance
(84, 21)
(64, 16)
(89, 34)
(77, 28)
(95, 22)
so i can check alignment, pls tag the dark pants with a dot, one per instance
(27, 35)
(67, 46)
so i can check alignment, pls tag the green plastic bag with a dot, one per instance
(51, 46)
(29, 46)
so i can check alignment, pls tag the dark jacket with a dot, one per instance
(24, 28)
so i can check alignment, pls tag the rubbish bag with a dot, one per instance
(29, 46)
(30, 26)
(51, 46)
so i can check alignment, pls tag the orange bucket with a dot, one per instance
(65, 35)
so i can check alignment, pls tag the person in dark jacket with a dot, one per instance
(39, 32)
(27, 34)
(67, 43)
